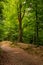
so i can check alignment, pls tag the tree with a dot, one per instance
(37, 8)
(37, 23)
(20, 15)
(1, 20)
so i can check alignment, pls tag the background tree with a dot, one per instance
(1, 20)
(37, 7)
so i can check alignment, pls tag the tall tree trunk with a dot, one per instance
(20, 31)
(20, 24)
(37, 32)
(36, 23)
(20, 18)
(35, 37)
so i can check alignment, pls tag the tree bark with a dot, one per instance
(20, 31)
(36, 23)
(20, 24)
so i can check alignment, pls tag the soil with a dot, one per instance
(17, 56)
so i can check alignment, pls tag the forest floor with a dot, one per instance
(17, 56)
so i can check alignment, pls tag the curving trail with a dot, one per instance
(17, 56)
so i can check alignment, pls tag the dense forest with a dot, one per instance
(21, 32)
(22, 21)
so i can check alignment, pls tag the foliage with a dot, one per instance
(9, 23)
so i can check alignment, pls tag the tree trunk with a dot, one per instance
(20, 31)
(20, 24)
(37, 32)
(36, 23)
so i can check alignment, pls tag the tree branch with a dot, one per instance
(23, 14)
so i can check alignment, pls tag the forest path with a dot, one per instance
(17, 56)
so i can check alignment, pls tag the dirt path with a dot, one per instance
(17, 56)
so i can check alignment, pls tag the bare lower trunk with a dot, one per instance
(20, 31)
(37, 33)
